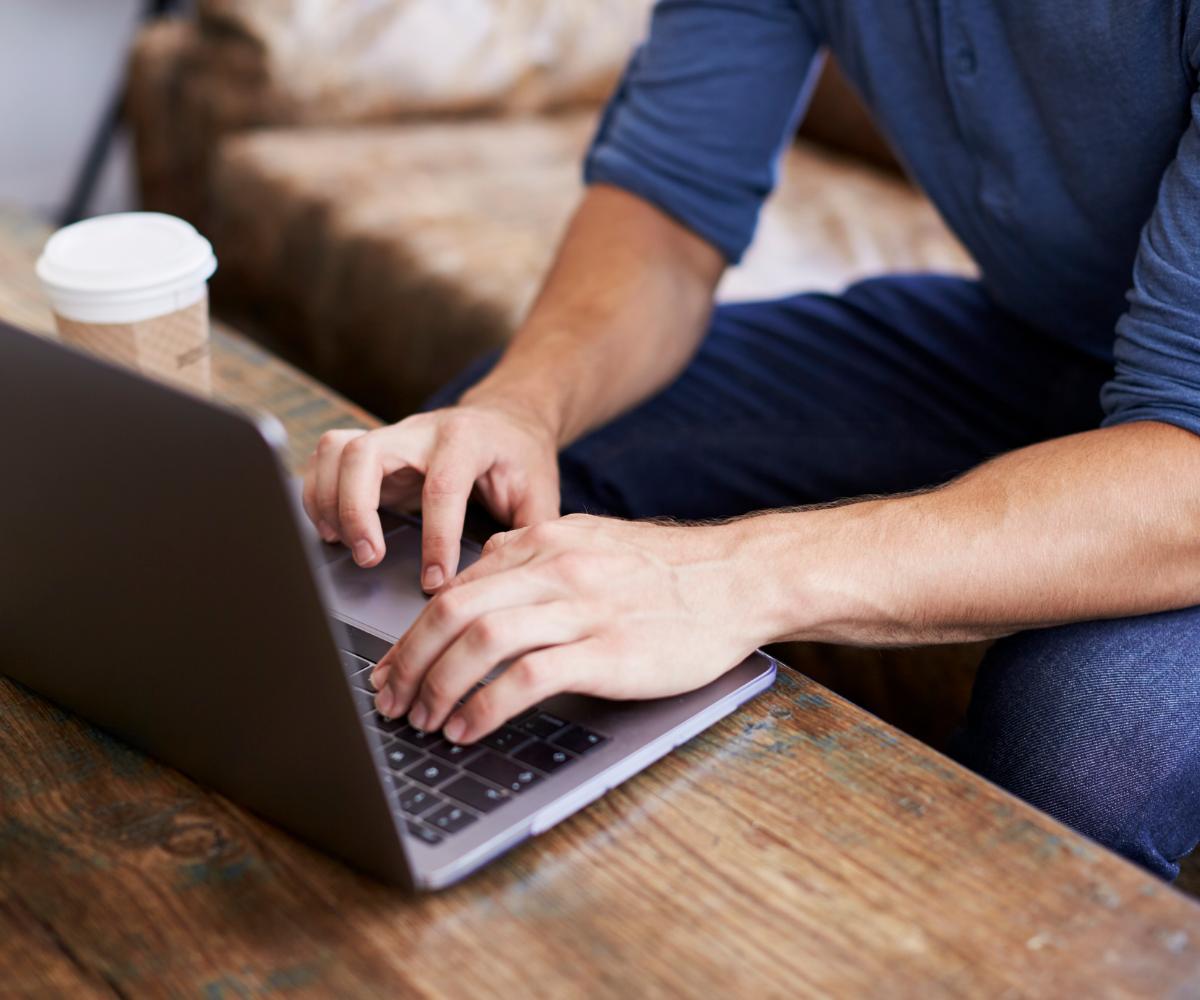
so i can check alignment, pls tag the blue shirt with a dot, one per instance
(1056, 137)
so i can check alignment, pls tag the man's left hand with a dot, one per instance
(584, 604)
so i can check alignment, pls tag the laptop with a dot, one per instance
(158, 578)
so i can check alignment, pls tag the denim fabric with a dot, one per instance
(899, 383)
(1058, 140)
(1098, 724)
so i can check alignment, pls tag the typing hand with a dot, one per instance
(435, 459)
(584, 604)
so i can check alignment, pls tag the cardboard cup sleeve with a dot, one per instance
(173, 348)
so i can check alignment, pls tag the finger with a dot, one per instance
(440, 623)
(487, 642)
(308, 497)
(529, 680)
(540, 501)
(448, 482)
(505, 550)
(328, 465)
(359, 482)
(495, 541)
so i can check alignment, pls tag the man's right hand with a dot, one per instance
(622, 311)
(435, 461)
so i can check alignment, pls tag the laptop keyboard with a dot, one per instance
(441, 788)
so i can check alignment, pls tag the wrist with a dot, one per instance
(797, 577)
(525, 404)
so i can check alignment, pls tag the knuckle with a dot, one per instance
(486, 633)
(447, 607)
(440, 484)
(541, 533)
(532, 673)
(456, 420)
(400, 668)
(573, 567)
(359, 446)
(330, 441)
(482, 710)
(437, 689)
(354, 511)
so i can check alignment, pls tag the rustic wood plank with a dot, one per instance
(798, 848)
(33, 966)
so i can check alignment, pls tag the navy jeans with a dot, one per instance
(899, 383)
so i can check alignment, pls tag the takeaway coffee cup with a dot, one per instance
(133, 288)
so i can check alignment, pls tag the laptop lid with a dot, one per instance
(152, 580)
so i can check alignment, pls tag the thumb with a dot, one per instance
(540, 502)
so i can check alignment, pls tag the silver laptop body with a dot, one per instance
(157, 578)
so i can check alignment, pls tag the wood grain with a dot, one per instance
(797, 849)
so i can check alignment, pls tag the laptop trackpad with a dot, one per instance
(386, 598)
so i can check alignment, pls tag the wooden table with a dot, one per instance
(801, 848)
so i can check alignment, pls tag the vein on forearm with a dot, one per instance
(1096, 525)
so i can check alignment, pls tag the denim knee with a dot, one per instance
(1098, 724)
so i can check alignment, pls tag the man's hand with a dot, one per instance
(585, 604)
(437, 460)
(622, 311)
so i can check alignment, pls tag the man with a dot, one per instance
(1050, 136)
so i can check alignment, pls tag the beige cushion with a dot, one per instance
(385, 259)
(342, 60)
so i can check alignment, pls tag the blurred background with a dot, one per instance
(62, 64)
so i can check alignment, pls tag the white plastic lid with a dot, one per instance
(125, 268)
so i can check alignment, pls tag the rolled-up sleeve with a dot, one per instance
(703, 111)
(1158, 340)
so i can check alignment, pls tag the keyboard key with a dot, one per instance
(454, 753)
(399, 756)
(579, 740)
(450, 819)
(362, 681)
(543, 756)
(506, 739)
(431, 772)
(417, 738)
(476, 794)
(417, 800)
(430, 837)
(386, 725)
(506, 773)
(355, 664)
(544, 725)
(364, 701)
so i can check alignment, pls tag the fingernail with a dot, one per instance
(379, 677)
(364, 552)
(385, 701)
(418, 717)
(454, 729)
(326, 532)
(433, 578)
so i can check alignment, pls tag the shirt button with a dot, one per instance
(964, 61)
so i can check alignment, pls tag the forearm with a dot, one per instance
(1096, 525)
(619, 316)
